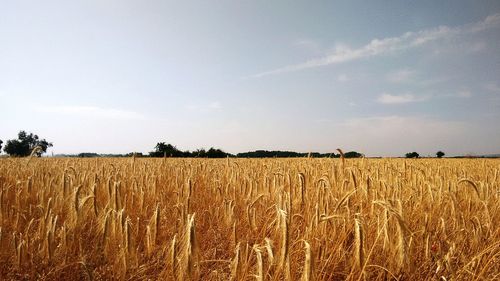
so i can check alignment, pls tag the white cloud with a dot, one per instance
(388, 45)
(399, 99)
(91, 111)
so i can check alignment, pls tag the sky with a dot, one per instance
(379, 77)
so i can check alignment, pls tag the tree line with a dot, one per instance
(278, 154)
(28, 144)
(414, 154)
(163, 149)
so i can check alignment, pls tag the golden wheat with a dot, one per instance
(267, 219)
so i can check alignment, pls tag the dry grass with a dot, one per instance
(241, 219)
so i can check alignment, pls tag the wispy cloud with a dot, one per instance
(399, 99)
(388, 45)
(91, 111)
(405, 98)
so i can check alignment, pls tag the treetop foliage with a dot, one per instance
(25, 144)
(412, 155)
(163, 149)
(439, 154)
(280, 154)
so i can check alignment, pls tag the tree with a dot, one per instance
(439, 154)
(412, 155)
(282, 154)
(164, 149)
(352, 154)
(87, 155)
(216, 153)
(25, 144)
(1, 145)
(134, 154)
(202, 153)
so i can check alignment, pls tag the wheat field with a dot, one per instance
(249, 219)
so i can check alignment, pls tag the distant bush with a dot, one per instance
(412, 155)
(353, 154)
(88, 155)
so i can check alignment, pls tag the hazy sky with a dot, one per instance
(379, 77)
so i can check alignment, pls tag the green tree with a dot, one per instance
(25, 144)
(216, 153)
(353, 154)
(412, 155)
(164, 149)
(439, 154)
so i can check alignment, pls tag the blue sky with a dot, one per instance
(379, 77)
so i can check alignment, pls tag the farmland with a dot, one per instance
(244, 219)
